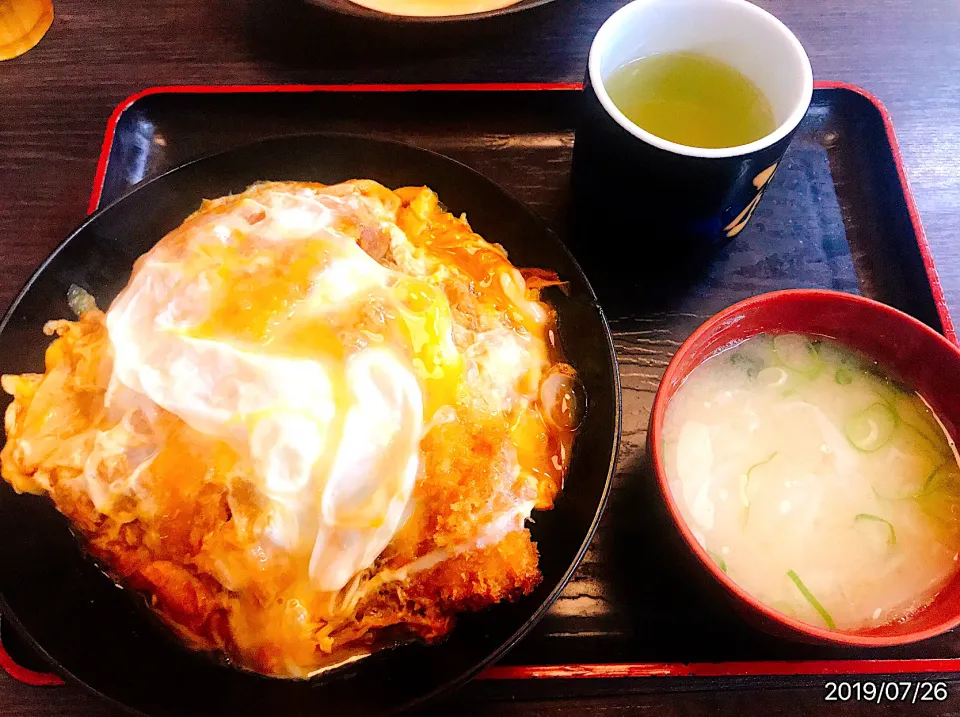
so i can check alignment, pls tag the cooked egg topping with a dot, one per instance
(309, 390)
(270, 328)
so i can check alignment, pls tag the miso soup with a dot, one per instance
(820, 484)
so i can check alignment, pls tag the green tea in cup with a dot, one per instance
(688, 108)
(691, 99)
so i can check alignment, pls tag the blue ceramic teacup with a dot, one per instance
(660, 191)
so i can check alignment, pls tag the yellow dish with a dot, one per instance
(434, 8)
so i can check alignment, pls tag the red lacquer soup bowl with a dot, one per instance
(903, 346)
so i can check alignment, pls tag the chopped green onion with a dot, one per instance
(745, 482)
(927, 440)
(934, 481)
(892, 538)
(718, 560)
(752, 468)
(871, 429)
(928, 484)
(940, 500)
(843, 376)
(882, 389)
(811, 599)
(923, 426)
(904, 495)
(796, 353)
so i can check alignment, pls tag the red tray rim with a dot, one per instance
(606, 670)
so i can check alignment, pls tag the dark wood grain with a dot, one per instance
(54, 103)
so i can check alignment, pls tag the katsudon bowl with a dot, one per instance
(906, 349)
(75, 617)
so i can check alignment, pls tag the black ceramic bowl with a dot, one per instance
(351, 9)
(90, 631)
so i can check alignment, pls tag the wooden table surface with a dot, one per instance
(55, 101)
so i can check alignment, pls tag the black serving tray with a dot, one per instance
(838, 215)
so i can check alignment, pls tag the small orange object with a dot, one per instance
(22, 24)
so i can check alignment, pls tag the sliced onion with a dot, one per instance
(871, 429)
(562, 399)
(80, 300)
